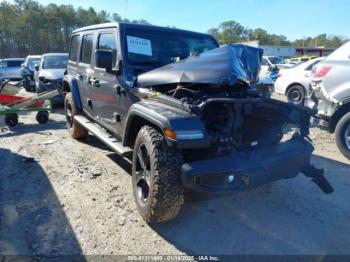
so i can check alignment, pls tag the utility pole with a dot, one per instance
(126, 9)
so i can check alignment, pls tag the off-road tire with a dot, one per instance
(292, 91)
(75, 129)
(166, 193)
(340, 130)
(42, 117)
(11, 120)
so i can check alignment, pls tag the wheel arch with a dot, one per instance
(338, 114)
(70, 84)
(135, 121)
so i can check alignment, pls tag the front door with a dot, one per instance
(104, 85)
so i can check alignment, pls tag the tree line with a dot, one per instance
(233, 32)
(27, 27)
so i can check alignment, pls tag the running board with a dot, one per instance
(104, 136)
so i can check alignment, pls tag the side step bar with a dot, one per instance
(104, 136)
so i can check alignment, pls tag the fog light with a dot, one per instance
(230, 179)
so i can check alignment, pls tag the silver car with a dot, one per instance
(10, 68)
(49, 73)
(330, 97)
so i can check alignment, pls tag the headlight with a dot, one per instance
(184, 134)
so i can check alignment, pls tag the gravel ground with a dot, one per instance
(59, 196)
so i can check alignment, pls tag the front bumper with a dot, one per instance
(50, 86)
(247, 169)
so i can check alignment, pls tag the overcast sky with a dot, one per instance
(292, 18)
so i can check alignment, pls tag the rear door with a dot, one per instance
(83, 68)
(104, 85)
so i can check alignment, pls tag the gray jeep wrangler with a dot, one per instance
(183, 110)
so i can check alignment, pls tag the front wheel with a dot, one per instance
(342, 135)
(156, 181)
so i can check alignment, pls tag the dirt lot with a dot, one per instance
(60, 196)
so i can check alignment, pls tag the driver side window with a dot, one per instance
(107, 41)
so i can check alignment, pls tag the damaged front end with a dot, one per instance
(245, 143)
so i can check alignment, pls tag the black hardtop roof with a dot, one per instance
(133, 25)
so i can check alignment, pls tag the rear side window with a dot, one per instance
(14, 63)
(74, 47)
(309, 68)
(106, 41)
(86, 49)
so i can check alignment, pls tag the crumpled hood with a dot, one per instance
(224, 65)
(52, 74)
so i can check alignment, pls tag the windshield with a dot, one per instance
(32, 62)
(275, 60)
(158, 48)
(55, 62)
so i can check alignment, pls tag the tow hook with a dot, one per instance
(317, 176)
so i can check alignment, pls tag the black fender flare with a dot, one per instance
(73, 86)
(137, 116)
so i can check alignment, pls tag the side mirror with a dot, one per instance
(36, 67)
(104, 60)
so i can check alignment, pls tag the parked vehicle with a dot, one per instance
(182, 110)
(295, 82)
(273, 63)
(10, 68)
(49, 73)
(265, 84)
(27, 71)
(330, 97)
(300, 59)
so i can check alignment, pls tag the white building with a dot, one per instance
(290, 51)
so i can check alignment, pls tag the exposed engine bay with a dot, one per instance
(217, 87)
(237, 118)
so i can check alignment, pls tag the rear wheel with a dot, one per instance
(156, 182)
(11, 120)
(342, 135)
(75, 129)
(296, 94)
